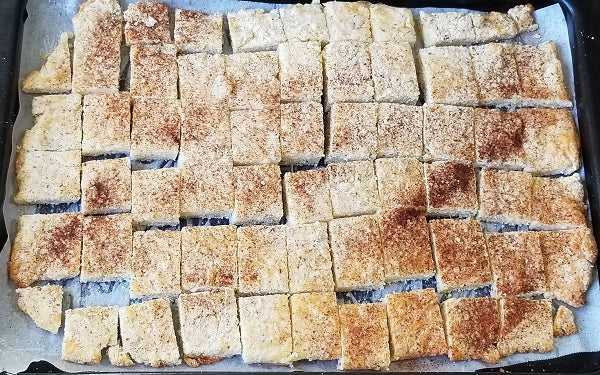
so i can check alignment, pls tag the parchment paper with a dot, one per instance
(21, 342)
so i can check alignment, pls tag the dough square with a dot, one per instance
(208, 257)
(356, 252)
(258, 195)
(517, 264)
(394, 72)
(525, 326)
(43, 304)
(155, 134)
(401, 182)
(364, 337)
(48, 177)
(107, 242)
(472, 328)
(551, 141)
(492, 26)
(106, 186)
(569, 259)
(56, 124)
(156, 264)
(155, 196)
(505, 196)
(266, 329)
(106, 124)
(499, 139)
(153, 70)
(88, 331)
(558, 203)
(451, 189)
(540, 72)
(46, 247)
(254, 30)
(262, 260)
(209, 326)
(255, 136)
(448, 133)
(147, 23)
(446, 28)
(399, 130)
(307, 196)
(309, 259)
(352, 132)
(460, 254)
(254, 79)
(405, 243)
(389, 24)
(447, 76)
(416, 325)
(347, 72)
(202, 81)
(348, 21)
(98, 30)
(205, 133)
(207, 188)
(54, 76)
(353, 188)
(198, 32)
(304, 22)
(315, 326)
(496, 73)
(300, 71)
(301, 135)
(148, 333)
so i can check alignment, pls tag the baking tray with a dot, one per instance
(584, 35)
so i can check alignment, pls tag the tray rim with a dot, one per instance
(584, 36)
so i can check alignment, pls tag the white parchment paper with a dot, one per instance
(21, 342)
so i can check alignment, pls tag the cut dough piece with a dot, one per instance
(46, 247)
(253, 30)
(88, 331)
(148, 333)
(447, 76)
(416, 325)
(364, 337)
(198, 32)
(156, 264)
(98, 30)
(56, 124)
(472, 328)
(54, 76)
(304, 22)
(569, 258)
(406, 245)
(43, 304)
(147, 23)
(106, 124)
(564, 322)
(106, 254)
(209, 326)
(266, 329)
(392, 24)
(525, 326)
(258, 195)
(315, 326)
(356, 252)
(348, 21)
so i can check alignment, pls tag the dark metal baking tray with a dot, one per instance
(584, 32)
